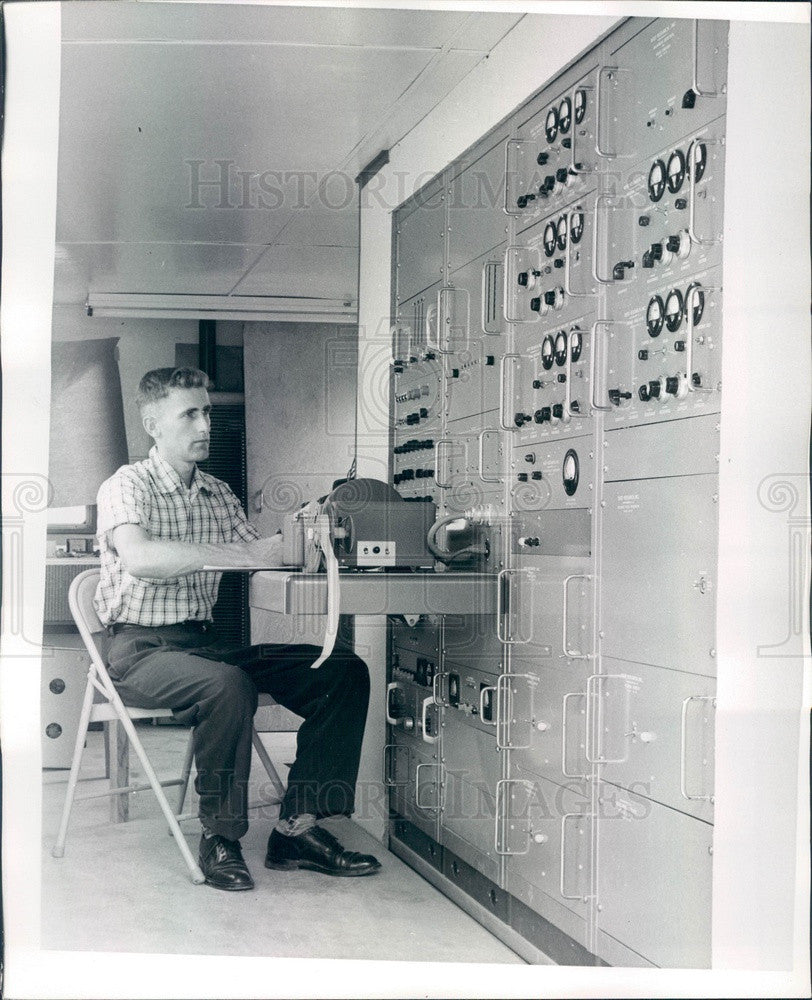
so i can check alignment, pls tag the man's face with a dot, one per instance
(180, 424)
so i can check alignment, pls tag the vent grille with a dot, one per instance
(492, 296)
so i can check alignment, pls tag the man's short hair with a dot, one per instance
(157, 384)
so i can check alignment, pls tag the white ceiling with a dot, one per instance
(154, 94)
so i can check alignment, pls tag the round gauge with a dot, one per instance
(570, 472)
(576, 227)
(656, 180)
(561, 233)
(674, 310)
(551, 125)
(561, 348)
(580, 106)
(550, 234)
(675, 171)
(697, 158)
(547, 352)
(655, 315)
(564, 116)
(695, 298)
(576, 344)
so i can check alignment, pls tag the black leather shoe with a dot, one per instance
(222, 863)
(319, 851)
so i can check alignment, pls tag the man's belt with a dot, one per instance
(191, 623)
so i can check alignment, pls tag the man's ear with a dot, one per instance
(150, 423)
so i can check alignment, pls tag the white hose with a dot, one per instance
(322, 532)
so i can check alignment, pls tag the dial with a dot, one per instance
(580, 106)
(576, 344)
(655, 315)
(676, 171)
(547, 352)
(695, 297)
(551, 125)
(570, 472)
(697, 158)
(561, 233)
(576, 227)
(550, 235)
(561, 348)
(674, 310)
(564, 116)
(656, 180)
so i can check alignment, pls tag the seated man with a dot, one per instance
(159, 522)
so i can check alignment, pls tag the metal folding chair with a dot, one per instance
(102, 703)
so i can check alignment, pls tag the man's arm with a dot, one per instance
(143, 556)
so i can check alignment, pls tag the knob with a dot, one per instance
(672, 245)
(681, 203)
(643, 393)
(540, 838)
(558, 262)
(561, 175)
(689, 99)
(423, 413)
(644, 220)
(561, 377)
(672, 385)
(523, 199)
(654, 390)
(523, 279)
(522, 477)
(656, 251)
(521, 419)
(535, 304)
(642, 355)
(530, 457)
(558, 410)
(549, 182)
(455, 373)
(535, 474)
(490, 360)
(575, 406)
(648, 259)
(679, 345)
(566, 143)
(696, 379)
(549, 298)
(542, 159)
(537, 383)
(542, 416)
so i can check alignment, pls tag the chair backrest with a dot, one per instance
(80, 600)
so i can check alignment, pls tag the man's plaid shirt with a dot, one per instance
(151, 493)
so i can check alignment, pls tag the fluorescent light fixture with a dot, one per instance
(239, 307)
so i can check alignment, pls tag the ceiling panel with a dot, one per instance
(324, 272)
(276, 24)
(194, 137)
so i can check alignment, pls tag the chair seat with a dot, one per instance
(103, 711)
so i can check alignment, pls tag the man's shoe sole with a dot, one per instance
(228, 888)
(290, 864)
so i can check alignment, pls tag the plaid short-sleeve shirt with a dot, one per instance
(152, 494)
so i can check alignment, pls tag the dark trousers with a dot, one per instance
(214, 688)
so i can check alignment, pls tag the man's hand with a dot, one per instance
(266, 551)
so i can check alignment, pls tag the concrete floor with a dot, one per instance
(124, 887)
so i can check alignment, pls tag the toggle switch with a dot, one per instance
(542, 416)
(536, 474)
(521, 419)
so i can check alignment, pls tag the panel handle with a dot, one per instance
(698, 240)
(500, 835)
(501, 584)
(437, 466)
(593, 723)
(593, 363)
(503, 392)
(571, 653)
(482, 692)
(482, 476)
(683, 747)
(417, 801)
(695, 69)
(599, 112)
(387, 769)
(693, 290)
(564, 771)
(561, 886)
(424, 719)
(490, 283)
(567, 283)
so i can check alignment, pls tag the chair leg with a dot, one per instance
(187, 771)
(58, 849)
(267, 763)
(194, 869)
